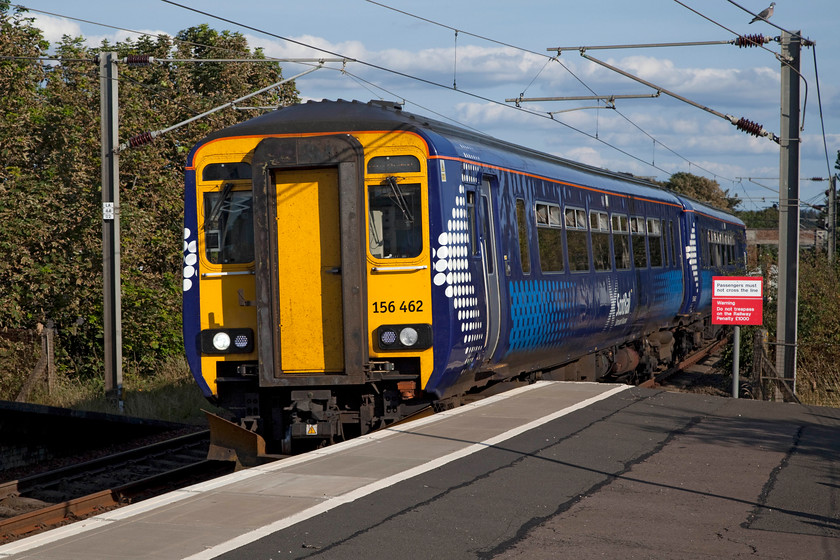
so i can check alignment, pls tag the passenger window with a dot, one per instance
(600, 225)
(621, 241)
(471, 222)
(674, 248)
(550, 237)
(718, 249)
(228, 226)
(637, 230)
(522, 225)
(394, 220)
(485, 234)
(576, 227)
(654, 230)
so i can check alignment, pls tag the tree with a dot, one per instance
(50, 186)
(703, 190)
(767, 218)
(20, 118)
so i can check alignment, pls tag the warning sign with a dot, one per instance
(737, 300)
(312, 429)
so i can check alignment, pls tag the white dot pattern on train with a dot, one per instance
(190, 260)
(451, 263)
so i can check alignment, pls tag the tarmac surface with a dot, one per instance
(557, 470)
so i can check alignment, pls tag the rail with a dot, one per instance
(689, 361)
(71, 493)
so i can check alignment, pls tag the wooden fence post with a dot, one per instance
(45, 365)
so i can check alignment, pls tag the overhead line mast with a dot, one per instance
(742, 123)
(789, 153)
(110, 152)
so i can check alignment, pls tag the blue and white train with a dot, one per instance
(348, 263)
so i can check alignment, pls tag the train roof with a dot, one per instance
(710, 211)
(446, 140)
(353, 116)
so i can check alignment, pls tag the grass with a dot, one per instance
(171, 395)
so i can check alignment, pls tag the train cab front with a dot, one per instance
(399, 277)
(343, 283)
(219, 308)
(312, 321)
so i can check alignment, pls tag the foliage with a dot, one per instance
(702, 189)
(767, 218)
(818, 331)
(50, 182)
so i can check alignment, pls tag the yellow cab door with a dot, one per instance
(309, 270)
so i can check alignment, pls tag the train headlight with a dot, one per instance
(221, 341)
(403, 337)
(227, 341)
(408, 336)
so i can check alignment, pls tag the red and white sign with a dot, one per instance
(737, 300)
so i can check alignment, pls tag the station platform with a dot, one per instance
(550, 470)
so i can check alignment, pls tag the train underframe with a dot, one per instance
(291, 419)
(294, 419)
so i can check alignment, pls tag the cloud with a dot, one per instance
(308, 46)
(589, 156)
(55, 28)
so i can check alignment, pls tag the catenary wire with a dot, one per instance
(652, 164)
(557, 59)
(385, 69)
(778, 56)
(819, 106)
(767, 21)
(416, 78)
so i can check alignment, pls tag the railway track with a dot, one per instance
(67, 494)
(57, 497)
(689, 361)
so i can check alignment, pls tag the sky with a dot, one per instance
(461, 60)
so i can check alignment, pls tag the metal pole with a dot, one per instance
(112, 307)
(832, 218)
(787, 306)
(652, 45)
(736, 361)
(653, 86)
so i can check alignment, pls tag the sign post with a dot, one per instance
(737, 300)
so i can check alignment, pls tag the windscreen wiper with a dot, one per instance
(399, 199)
(216, 211)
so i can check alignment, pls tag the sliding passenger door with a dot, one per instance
(490, 265)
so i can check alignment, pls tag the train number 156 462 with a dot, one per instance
(393, 306)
